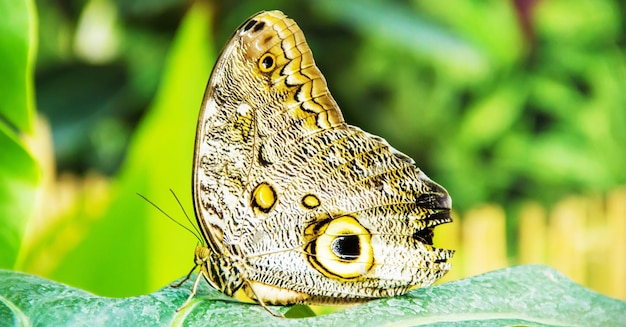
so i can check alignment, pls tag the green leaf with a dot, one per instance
(397, 27)
(494, 115)
(125, 249)
(19, 174)
(523, 295)
(17, 50)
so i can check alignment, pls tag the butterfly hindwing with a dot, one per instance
(296, 205)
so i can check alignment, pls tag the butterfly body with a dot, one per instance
(296, 205)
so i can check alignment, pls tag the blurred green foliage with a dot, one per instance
(122, 245)
(499, 101)
(493, 111)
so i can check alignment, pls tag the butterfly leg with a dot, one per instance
(176, 285)
(259, 301)
(194, 289)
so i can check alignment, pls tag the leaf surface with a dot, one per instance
(523, 295)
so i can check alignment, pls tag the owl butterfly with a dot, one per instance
(295, 205)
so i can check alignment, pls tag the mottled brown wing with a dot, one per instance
(295, 205)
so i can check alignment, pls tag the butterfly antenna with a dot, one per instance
(170, 217)
(187, 216)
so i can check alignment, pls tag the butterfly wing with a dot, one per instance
(296, 205)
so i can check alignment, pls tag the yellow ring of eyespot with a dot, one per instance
(264, 197)
(323, 258)
(262, 64)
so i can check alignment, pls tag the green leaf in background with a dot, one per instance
(396, 27)
(19, 173)
(523, 295)
(19, 176)
(17, 50)
(494, 115)
(132, 242)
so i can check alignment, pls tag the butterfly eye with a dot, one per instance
(267, 62)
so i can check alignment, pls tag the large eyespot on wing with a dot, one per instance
(339, 248)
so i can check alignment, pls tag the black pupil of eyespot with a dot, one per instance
(267, 62)
(346, 247)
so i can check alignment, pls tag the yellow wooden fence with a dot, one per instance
(582, 237)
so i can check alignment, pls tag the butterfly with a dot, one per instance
(295, 205)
